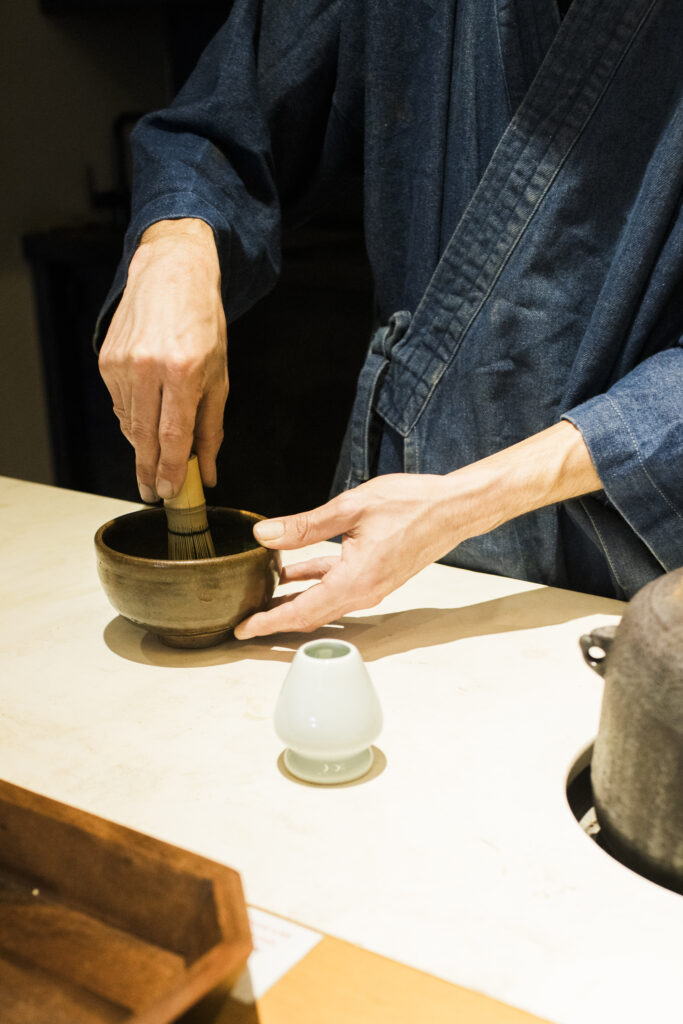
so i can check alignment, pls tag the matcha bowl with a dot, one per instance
(186, 604)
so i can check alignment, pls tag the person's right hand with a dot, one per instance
(164, 359)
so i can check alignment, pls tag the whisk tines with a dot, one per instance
(189, 535)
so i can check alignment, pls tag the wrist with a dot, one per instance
(177, 239)
(192, 228)
(551, 466)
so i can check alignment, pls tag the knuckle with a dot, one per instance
(141, 433)
(345, 504)
(210, 437)
(108, 346)
(109, 374)
(220, 379)
(172, 434)
(104, 364)
(145, 473)
(182, 366)
(301, 526)
(170, 469)
(142, 362)
(208, 448)
(173, 459)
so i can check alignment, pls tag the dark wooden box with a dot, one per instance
(100, 924)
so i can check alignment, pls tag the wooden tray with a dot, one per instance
(103, 925)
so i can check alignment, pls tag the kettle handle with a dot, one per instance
(599, 639)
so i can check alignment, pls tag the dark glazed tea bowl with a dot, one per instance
(186, 604)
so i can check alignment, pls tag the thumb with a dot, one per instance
(298, 531)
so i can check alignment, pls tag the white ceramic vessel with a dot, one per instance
(328, 713)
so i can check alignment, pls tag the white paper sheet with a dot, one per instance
(278, 945)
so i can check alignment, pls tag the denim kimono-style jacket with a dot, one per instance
(522, 177)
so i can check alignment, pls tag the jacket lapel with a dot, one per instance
(577, 69)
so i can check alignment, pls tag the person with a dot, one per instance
(520, 407)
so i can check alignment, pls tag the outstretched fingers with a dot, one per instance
(304, 612)
(313, 569)
(334, 518)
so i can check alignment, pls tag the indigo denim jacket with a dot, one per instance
(522, 177)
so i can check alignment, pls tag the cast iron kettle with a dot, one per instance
(637, 765)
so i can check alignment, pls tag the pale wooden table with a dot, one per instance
(459, 856)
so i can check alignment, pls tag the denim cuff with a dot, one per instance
(172, 206)
(635, 456)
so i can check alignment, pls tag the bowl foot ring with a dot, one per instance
(195, 640)
(328, 772)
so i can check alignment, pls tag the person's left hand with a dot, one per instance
(391, 527)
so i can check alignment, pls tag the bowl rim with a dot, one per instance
(164, 563)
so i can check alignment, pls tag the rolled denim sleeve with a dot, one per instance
(264, 131)
(634, 433)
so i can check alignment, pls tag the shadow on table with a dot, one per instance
(376, 636)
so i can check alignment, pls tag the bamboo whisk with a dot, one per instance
(188, 528)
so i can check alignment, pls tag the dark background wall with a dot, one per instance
(78, 76)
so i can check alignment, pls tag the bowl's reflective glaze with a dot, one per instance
(187, 604)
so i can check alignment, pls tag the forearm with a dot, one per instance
(551, 466)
